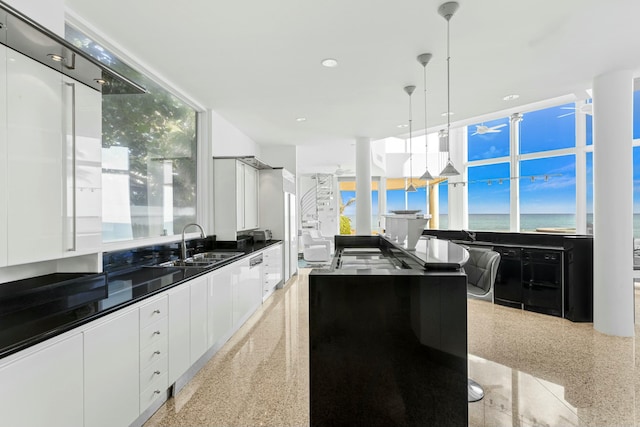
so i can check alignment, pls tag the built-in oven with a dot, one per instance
(508, 284)
(542, 281)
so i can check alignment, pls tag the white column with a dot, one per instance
(458, 206)
(514, 184)
(581, 170)
(613, 296)
(363, 186)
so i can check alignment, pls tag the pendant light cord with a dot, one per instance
(426, 139)
(448, 95)
(410, 144)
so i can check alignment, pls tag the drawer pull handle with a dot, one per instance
(156, 333)
(156, 352)
(156, 391)
(156, 311)
(156, 372)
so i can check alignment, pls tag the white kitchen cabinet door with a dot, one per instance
(83, 130)
(44, 388)
(111, 371)
(250, 198)
(240, 200)
(35, 190)
(179, 331)
(198, 329)
(272, 270)
(3, 157)
(220, 303)
(247, 293)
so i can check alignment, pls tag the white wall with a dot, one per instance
(285, 156)
(228, 140)
(48, 13)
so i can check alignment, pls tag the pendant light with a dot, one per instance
(410, 188)
(424, 60)
(446, 10)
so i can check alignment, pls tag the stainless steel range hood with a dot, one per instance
(26, 36)
(248, 160)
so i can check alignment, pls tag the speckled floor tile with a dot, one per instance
(536, 370)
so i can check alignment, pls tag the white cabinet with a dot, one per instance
(220, 301)
(50, 134)
(111, 370)
(44, 387)
(154, 362)
(247, 288)
(272, 269)
(4, 188)
(198, 324)
(235, 198)
(34, 161)
(250, 195)
(179, 331)
(83, 130)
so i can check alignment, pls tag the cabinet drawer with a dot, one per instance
(153, 311)
(155, 370)
(154, 332)
(155, 390)
(154, 352)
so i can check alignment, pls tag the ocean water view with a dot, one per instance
(528, 222)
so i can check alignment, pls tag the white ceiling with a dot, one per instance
(257, 63)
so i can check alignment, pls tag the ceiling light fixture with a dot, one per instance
(511, 97)
(301, 119)
(100, 81)
(410, 188)
(446, 10)
(424, 60)
(445, 114)
(402, 126)
(56, 58)
(329, 63)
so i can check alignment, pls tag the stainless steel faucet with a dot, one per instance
(184, 246)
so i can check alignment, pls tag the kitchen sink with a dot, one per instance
(202, 260)
(215, 256)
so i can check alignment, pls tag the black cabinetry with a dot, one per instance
(508, 285)
(578, 282)
(542, 281)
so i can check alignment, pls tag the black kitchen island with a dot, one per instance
(388, 334)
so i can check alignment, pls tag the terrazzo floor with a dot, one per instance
(537, 370)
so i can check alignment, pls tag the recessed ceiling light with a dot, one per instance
(451, 113)
(100, 81)
(55, 57)
(511, 97)
(301, 119)
(329, 63)
(403, 126)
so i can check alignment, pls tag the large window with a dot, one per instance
(489, 189)
(548, 193)
(488, 140)
(149, 156)
(548, 129)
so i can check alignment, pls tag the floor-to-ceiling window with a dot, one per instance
(149, 155)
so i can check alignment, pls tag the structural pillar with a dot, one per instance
(613, 295)
(363, 186)
(514, 178)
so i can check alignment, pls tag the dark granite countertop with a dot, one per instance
(507, 245)
(36, 309)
